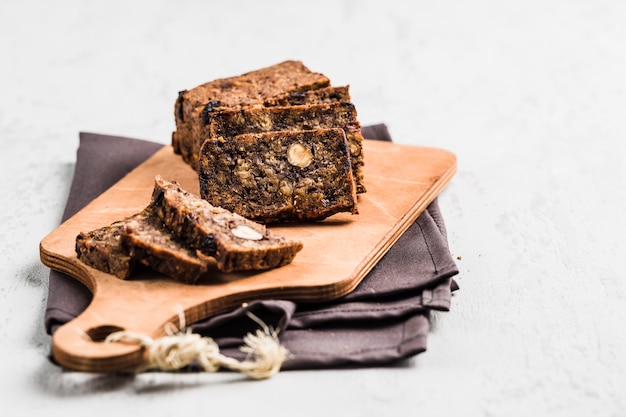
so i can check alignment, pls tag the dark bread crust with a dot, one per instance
(236, 243)
(232, 122)
(279, 175)
(251, 88)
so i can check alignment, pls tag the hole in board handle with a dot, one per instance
(99, 333)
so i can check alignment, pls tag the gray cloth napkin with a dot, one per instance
(384, 320)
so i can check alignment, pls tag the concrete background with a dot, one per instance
(531, 97)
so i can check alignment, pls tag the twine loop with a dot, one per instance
(180, 347)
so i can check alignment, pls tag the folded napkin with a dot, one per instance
(385, 319)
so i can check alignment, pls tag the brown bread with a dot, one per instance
(232, 122)
(102, 249)
(148, 241)
(236, 243)
(279, 175)
(321, 95)
(251, 88)
(180, 235)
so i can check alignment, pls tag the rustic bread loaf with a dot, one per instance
(283, 175)
(148, 241)
(232, 122)
(251, 88)
(235, 242)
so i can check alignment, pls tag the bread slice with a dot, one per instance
(236, 243)
(180, 235)
(328, 94)
(279, 175)
(148, 241)
(102, 249)
(139, 239)
(232, 122)
(251, 88)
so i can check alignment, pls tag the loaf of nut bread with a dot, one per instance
(199, 131)
(148, 241)
(236, 243)
(251, 88)
(272, 176)
(230, 123)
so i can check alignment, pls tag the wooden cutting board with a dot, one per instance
(338, 252)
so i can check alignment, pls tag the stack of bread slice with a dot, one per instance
(181, 235)
(242, 134)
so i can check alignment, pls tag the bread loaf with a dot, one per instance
(251, 88)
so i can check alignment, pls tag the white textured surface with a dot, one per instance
(530, 95)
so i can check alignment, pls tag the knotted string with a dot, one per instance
(180, 347)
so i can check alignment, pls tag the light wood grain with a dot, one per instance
(337, 253)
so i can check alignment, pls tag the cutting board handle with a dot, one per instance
(83, 348)
(116, 305)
